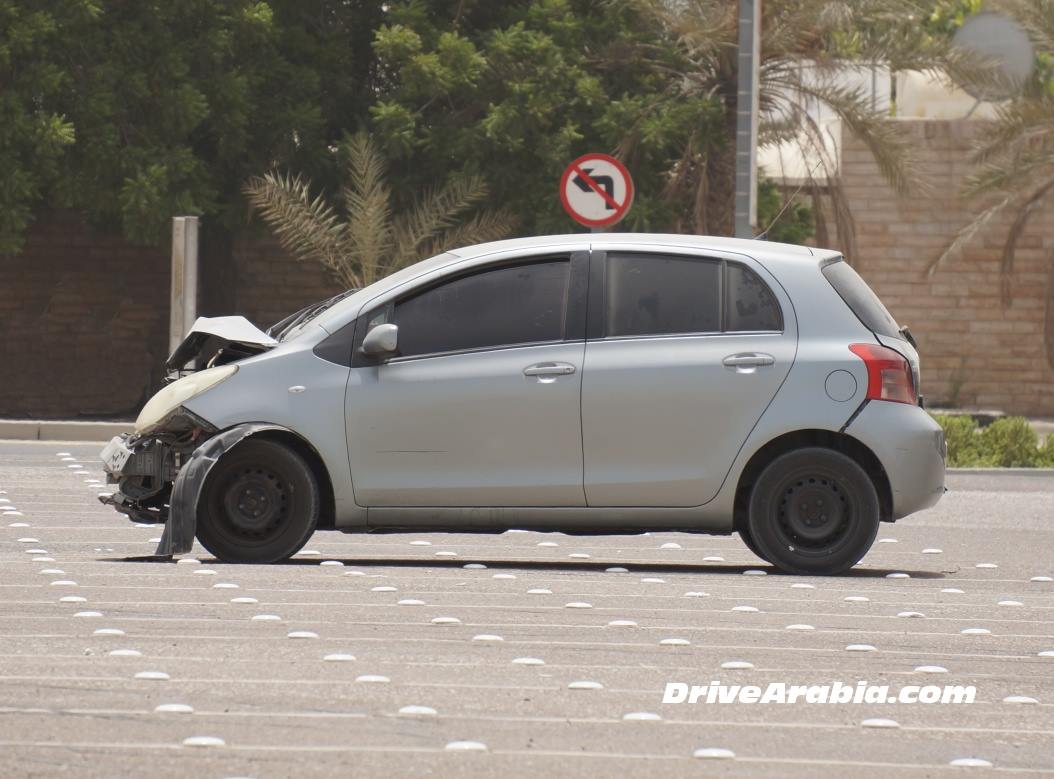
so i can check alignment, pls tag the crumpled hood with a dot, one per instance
(209, 336)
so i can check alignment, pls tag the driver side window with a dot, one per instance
(505, 306)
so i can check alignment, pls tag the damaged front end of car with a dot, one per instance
(160, 467)
(144, 467)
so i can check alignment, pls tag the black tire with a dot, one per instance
(748, 540)
(260, 504)
(813, 511)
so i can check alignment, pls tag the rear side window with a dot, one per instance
(861, 299)
(749, 303)
(500, 307)
(659, 295)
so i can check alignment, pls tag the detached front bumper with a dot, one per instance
(911, 448)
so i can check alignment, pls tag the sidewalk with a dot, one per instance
(59, 430)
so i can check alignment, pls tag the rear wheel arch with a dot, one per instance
(800, 439)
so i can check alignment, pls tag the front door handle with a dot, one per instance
(549, 369)
(748, 360)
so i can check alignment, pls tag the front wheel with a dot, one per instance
(260, 504)
(813, 511)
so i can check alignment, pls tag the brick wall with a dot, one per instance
(84, 315)
(974, 351)
(271, 285)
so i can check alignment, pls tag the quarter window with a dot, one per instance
(749, 303)
(659, 295)
(501, 307)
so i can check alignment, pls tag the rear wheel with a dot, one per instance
(813, 511)
(260, 504)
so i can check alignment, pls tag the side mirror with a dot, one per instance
(383, 339)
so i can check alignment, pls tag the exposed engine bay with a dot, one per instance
(145, 467)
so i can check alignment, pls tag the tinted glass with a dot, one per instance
(502, 307)
(658, 295)
(861, 299)
(749, 303)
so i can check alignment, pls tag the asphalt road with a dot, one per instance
(402, 621)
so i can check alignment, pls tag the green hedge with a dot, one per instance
(1009, 442)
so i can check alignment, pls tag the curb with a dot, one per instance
(1003, 471)
(58, 430)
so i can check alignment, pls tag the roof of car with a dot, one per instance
(339, 314)
(716, 243)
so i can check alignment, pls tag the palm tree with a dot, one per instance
(806, 48)
(367, 241)
(1015, 158)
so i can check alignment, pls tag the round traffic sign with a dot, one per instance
(596, 190)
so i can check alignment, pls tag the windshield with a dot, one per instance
(286, 328)
(861, 299)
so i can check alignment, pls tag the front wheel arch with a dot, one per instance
(801, 439)
(181, 525)
(300, 445)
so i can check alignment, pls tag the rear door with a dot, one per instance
(684, 353)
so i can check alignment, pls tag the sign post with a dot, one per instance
(747, 118)
(183, 300)
(596, 190)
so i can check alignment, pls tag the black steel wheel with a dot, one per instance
(813, 511)
(260, 504)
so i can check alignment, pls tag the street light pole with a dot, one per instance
(747, 118)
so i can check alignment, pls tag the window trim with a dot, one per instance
(596, 310)
(574, 314)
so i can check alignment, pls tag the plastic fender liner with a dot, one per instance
(182, 523)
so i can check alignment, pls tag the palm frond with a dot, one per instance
(367, 203)
(889, 146)
(967, 233)
(306, 227)
(370, 243)
(479, 228)
(1036, 16)
(1017, 229)
(437, 211)
(825, 184)
(1025, 123)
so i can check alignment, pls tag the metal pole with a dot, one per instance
(747, 118)
(183, 300)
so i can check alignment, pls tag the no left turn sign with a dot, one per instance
(596, 190)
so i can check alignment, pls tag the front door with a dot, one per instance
(684, 354)
(481, 405)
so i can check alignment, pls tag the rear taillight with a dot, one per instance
(888, 373)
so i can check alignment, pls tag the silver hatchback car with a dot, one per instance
(586, 384)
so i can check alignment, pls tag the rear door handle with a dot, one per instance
(549, 369)
(748, 360)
